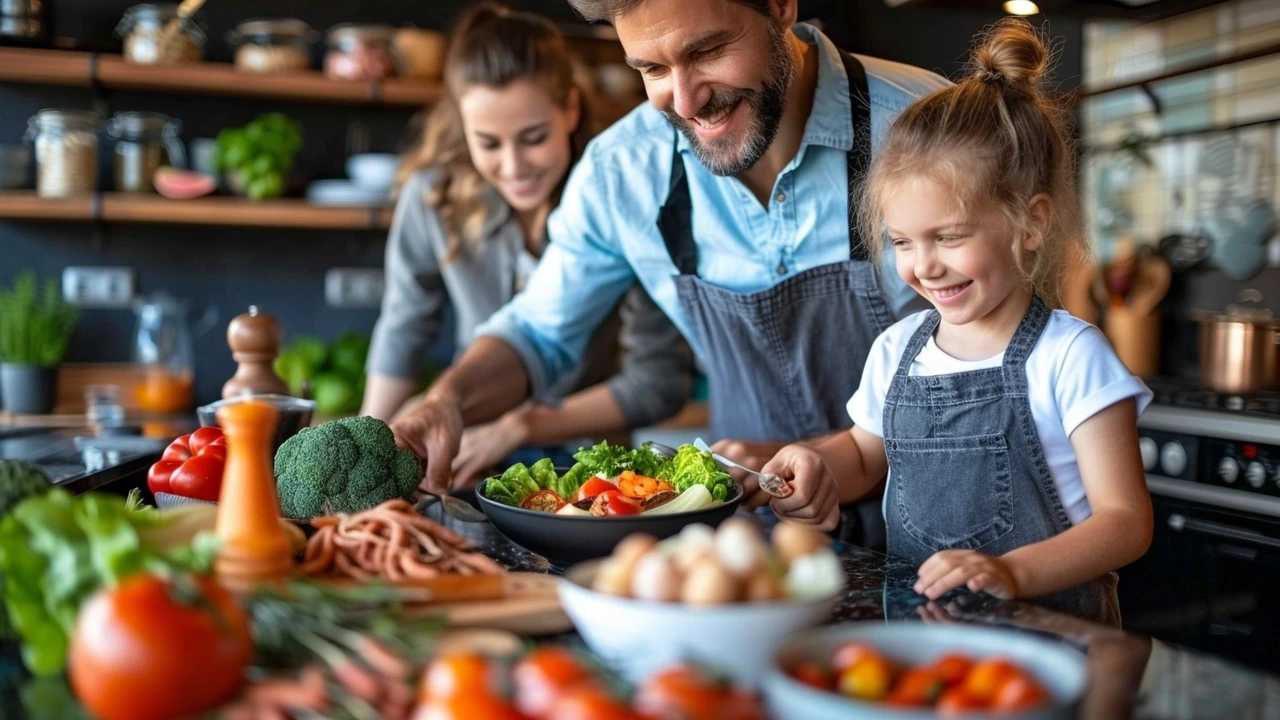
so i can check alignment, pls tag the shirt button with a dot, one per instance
(781, 197)
(782, 268)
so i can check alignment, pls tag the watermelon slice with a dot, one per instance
(183, 184)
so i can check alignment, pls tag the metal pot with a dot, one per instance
(1240, 349)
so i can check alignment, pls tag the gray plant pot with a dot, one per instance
(28, 389)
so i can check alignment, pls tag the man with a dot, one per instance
(728, 198)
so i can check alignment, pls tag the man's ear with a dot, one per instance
(1040, 213)
(784, 12)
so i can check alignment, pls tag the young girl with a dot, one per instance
(1007, 429)
(469, 228)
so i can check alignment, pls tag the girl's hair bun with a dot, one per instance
(1012, 53)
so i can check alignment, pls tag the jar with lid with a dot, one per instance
(361, 52)
(142, 142)
(272, 46)
(141, 28)
(66, 143)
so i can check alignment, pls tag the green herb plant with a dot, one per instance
(257, 158)
(34, 326)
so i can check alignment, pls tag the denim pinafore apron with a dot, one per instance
(967, 470)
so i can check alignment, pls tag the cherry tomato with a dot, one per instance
(987, 676)
(589, 702)
(543, 501)
(1018, 694)
(952, 668)
(813, 675)
(455, 675)
(542, 676)
(958, 702)
(612, 503)
(917, 686)
(592, 488)
(868, 679)
(468, 707)
(151, 649)
(849, 654)
(688, 694)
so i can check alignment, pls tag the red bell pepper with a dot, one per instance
(191, 466)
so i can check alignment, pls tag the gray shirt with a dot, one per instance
(650, 384)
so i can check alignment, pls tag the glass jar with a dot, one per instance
(142, 142)
(141, 28)
(66, 144)
(361, 52)
(272, 46)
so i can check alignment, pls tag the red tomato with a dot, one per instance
(468, 707)
(849, 654)
(142, 651)
(987, 676)
(589, 702)
(204, 437)
(1019, 694)
(958, 702)
(870, 678)
(813, 675)
(160, 473)
(952, 668)
(612, 503)
(543, 501)
(592, 488)
(201, 476)
(456, 675)
(687, 694)
(179, 449)
(542, 676)
(917, 686)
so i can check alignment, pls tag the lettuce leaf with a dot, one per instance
(544, 473)
(605, 459)
(691, 467)
(513, 486)
(569, 483)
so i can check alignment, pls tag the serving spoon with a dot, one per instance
(770, 483)
(455, 508)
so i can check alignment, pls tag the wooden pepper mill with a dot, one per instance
(255, 549)
(255, 340)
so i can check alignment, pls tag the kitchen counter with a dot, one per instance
(1129, 675)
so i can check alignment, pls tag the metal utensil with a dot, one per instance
(455, 508)
(769, 482)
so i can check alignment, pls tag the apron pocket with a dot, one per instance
(952, 493)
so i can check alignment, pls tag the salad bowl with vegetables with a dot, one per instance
(572, 514)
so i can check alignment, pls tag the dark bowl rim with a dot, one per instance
(485, 502)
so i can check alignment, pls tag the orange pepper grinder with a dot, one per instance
(254, 547)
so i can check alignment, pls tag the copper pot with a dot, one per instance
(1240, 349)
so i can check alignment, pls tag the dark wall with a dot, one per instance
(282, 270)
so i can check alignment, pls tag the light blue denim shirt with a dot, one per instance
(604, 235)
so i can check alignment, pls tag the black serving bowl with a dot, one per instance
(567, 539)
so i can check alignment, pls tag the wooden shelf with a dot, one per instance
(82, 69)
(218, 211)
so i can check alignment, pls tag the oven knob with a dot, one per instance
(1150, 453)
(1228, 470)
(1256, 474)
(1173, 458)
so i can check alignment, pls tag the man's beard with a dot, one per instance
(765, 105)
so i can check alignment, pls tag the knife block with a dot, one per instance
(1136, 339)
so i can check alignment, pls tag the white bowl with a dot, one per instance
(1058, 666)
(345, 192)
(638, 637)
(376, 171)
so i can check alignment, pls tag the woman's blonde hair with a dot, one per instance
(995, 137)
(493, 46)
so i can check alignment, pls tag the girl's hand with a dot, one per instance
(814, 500)
(484, 446)
(950, 569)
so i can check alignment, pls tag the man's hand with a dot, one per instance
(432, 429)
(484, 446)
(814, 500)
(950, 569)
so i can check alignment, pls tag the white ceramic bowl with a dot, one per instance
(375, 171)
(1060, 667)
(639, 637)
(346, 192)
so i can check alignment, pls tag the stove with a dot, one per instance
(80, 459)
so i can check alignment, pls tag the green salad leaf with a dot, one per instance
(605, 459)
(573, 478)
(544, 473)
(692, 467)
(513, 486)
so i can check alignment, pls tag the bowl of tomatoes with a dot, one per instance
(916, 670)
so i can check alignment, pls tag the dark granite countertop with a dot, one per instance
(1129, 675)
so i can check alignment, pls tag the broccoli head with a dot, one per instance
(343, 466)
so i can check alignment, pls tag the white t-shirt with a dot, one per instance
(1073, 374)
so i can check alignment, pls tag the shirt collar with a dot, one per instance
(830, 120)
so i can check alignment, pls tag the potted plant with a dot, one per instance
(34, 330)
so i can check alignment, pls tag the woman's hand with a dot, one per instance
(950, 569)
(814, 500)
(485, 446)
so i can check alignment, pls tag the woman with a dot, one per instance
(469, 227)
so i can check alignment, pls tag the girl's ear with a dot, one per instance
(574, 109)
(1040, 213)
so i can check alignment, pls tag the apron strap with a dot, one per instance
(675, 218)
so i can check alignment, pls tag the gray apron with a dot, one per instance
(967, 468)
(783, 362)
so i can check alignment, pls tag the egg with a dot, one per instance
(792, 540)
(655, 578)
(740, 547)
(627, 552)
(693, 542)
(816, 575)
(612, 579)
(708, 583)
(763, 587)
